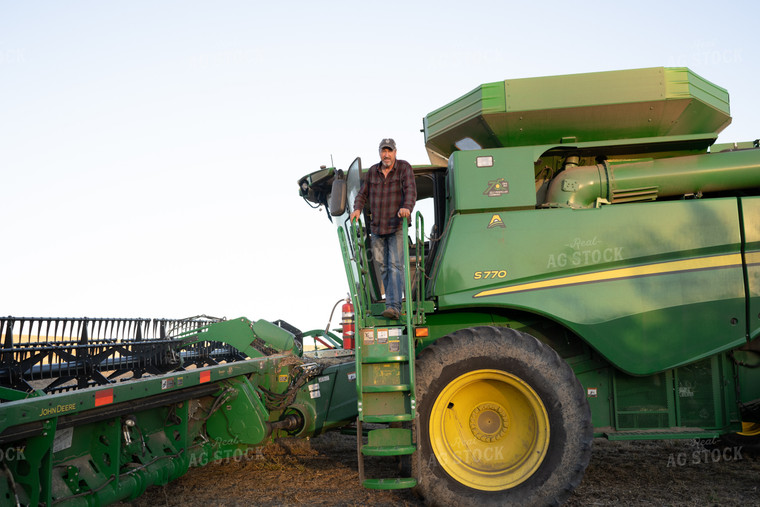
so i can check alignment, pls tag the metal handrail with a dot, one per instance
(419, 268)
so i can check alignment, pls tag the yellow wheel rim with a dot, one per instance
(489, 430)
(750, 429)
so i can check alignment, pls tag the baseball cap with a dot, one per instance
(388, 143)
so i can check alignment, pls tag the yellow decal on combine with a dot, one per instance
(496, 222)
(485, 275)
(497, 188)
(58, 409)
(660, 268)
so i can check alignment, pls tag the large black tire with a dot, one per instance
(502, 421)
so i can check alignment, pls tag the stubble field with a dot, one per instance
(323, 471)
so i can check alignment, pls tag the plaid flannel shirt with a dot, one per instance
(386, 195)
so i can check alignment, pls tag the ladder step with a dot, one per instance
(376, 319)
(388, 450)
(385, 359)
(386, 389)
(402, 483)
(390, 437)
(387, 418)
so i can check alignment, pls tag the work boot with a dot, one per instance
(391, 313)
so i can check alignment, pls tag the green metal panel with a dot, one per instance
(71, 403)
(750, 207)
(597, 383)
(598, 106)
(242, 417)
(336, 402)
(241, 333)
(583, 90)
(748, 379)
(274, 336)
(461, 115)
(699, 391)
(617, 276)
(492, 179)
(690, 398)
(644, 402)
(674, 433)
(701, 105)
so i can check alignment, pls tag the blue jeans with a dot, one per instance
(388, 255)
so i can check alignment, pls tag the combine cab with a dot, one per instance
(586, 264)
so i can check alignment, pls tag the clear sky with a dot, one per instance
(150, 150)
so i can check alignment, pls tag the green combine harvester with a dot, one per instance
(584, 262)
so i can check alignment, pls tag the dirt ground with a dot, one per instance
(323, 471)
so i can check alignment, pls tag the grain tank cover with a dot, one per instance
(579, 108)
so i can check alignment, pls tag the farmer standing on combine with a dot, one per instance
(390, 189)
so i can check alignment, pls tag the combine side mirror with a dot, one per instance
(338, 195)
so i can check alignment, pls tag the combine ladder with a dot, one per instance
(385, 376)
(385, 355)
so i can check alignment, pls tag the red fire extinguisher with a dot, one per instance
(348, 325)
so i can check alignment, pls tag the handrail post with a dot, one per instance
(407, 281)
(420, 265)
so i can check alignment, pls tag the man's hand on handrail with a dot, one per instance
(402, 213)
